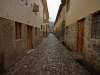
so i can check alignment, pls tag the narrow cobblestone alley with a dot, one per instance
(48, 58)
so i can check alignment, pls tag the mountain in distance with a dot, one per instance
(51, 23)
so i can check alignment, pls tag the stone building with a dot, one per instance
(44, 16)
(20, 29)
(59, 25)
(48, 30)
(82, 35)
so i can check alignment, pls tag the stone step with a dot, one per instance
(76, 56)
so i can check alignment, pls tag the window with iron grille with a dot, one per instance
(96, 25)
(18, 30)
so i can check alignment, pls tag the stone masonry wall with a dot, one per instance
(7, 37)
(71, 37)
(0, 50)
(1, 53)
(36, 39)
(58, 32)
(91, 47)
(21, 44)
(12, 49)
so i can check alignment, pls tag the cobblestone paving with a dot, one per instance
(49, 58)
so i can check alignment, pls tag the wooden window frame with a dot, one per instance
(35, 31)
(68, 6)
(94, 25)
(18, 30)
(66, 30)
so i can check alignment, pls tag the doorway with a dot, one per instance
(29, 37)
(80, 37)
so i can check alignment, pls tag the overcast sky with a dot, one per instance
(53, 6)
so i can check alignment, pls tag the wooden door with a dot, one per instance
(80, 38)
(29, 37)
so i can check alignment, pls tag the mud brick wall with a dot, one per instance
(71, 37)
(91, 46)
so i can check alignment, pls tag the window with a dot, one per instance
(35, 31)
(67, 30)
(18, 30)
(68, 6)
(41, 27)
(96, 25)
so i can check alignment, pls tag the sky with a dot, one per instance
(53, 6)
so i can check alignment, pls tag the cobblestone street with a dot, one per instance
(48, 58)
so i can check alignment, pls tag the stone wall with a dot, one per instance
(58, 32)
(1, 53)
(7, 52)
(13, 50)
(21, 44)
(0, 50)
(71, 37)
(91, 47)
(36, 39)
(91, 51)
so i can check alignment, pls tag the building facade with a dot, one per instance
(59, 25)
(44, 16)
(20, 29)
(82, 33)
